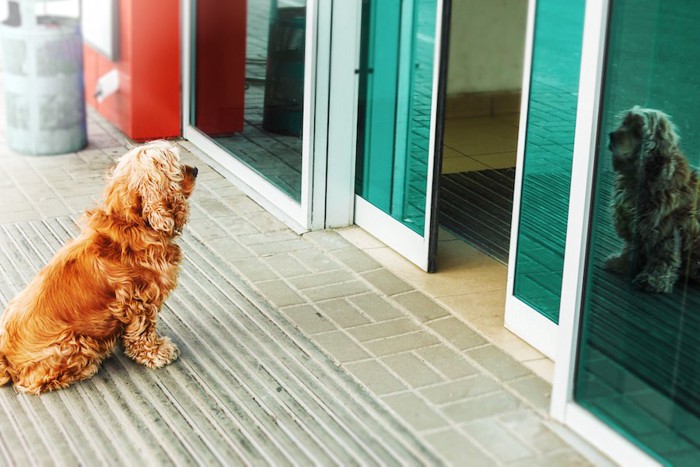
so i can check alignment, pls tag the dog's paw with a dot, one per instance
(616, 263)
(154, 356)
(651, 283)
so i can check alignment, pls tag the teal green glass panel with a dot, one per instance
(638, 364)
(396, 84)
(549, 146)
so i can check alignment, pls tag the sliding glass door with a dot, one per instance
(250, 94)
(543, 179)
(399, 143)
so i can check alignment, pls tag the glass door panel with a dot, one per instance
(638, 368)
(248, 84)
(549, 145)
(397, 118)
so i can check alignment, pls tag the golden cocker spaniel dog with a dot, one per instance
(108, 283)
(655, 203)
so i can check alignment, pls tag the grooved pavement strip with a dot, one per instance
(248, 388)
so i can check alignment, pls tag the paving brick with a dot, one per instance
(376, 377)
(341, 347)
(53, 208)
(243, 205)
(229, 249)
(402, 343)
(501, 444)
(342, 313)
(315, 260)
(271, 248)
(308, 319)
(286, 265)
(454, 391)
(328, 240)
(456, 449)
(255, 270)
(457, 333)
(265, 222)
(376, 307)
(447, 361)
(356, 259)
(530, 428)
(412, 370)
(214, 208)
(420, 306)
(384, 329)
(321, 279)
(497, 362)
(206, 229)
(344, 289)
(386, 282)
(489, 405)
(535, 390)
(569, 458)
(279, 293)
(259, 238)
(414, 411)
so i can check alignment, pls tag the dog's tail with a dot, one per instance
(4, 374)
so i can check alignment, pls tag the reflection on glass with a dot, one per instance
(639, 369)
(396, 78)
(248, 83)
(549, 147)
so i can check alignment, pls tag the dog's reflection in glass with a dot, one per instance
(654, 202)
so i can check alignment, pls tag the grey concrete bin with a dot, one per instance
(43, 82)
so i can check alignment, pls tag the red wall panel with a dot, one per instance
(147, 104)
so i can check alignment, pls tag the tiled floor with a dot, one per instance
(480, 143)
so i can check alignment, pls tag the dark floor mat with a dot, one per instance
(477, 206)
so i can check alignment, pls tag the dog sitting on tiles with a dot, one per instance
(106, 285)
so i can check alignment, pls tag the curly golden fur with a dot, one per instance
(655, 203)
(108, 284)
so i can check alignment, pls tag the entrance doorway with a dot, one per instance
(481, 124)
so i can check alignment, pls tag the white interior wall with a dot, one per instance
(487, 42)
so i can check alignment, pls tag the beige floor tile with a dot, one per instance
(542, 367)
(487, 135)
(360, 237)
(464, 274)
(503, 160)
(449, 153)
(462, 164)
(482, 309)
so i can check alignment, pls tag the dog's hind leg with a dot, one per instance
(663, 262)
(65, 364)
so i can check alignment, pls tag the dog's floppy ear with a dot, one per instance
(158, 174)
(156, 210)
(659, 133)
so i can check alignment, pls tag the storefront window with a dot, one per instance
(639, 353)
(248, 83)
(549, 146)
